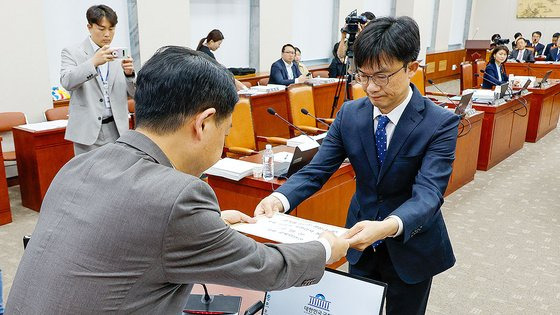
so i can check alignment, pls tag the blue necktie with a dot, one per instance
(381, 144)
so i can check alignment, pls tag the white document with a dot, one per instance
(47, 125)
(232, 169)
(284, 228)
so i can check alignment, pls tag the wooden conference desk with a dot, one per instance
(545, 111)
(537, 69)
(466, 153)
(255, 77)
(503, 131)
(40, 155)
(5, 211)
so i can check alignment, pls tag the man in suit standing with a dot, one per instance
(129, 227)
(520, 53)
(98, 83)
(285, 71)
(401, 146)
(538, 48)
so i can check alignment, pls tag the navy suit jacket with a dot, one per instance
(553, 55)
(547, 49)
(491, 76)
(279, 74)
(527, 55)
(410, 184)
(538, 49)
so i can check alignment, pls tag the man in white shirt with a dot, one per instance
(285, 71)
(520, 53)
(99, 84)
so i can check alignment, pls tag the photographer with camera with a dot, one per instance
(99, 80)
(354, 25)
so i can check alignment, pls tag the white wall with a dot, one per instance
(232, 19)
(500, 17)
(314, 44)
(422, 12)
(275, 30)
(72, 29)
(162, 23)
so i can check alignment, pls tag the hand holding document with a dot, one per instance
(283, 228)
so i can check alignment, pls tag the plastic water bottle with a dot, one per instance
(268, 163)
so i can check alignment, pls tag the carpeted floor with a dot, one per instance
(504, 226)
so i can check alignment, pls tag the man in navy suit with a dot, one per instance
(284, 70)
(551, 45)
(521, 54)
(401, 147)
(538, 47)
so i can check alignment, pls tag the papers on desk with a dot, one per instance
(319, 81)
(232, 169)
(47, 125)
(481, 96)
(269, 88)
(304, 142)
(283, 228)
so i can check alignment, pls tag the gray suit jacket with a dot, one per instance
(121, 231)
(527, 55)
(80, 78)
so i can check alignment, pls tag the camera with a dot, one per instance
(119, 52)
(499, 41)
(352, 21)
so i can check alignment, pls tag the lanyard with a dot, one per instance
(101, 76)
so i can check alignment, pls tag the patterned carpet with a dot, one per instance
(505, 228)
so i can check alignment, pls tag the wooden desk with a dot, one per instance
(545, 111)
(323, 97)
(61, 103)
(5, 210)
(40, 154)
(254, 78)
(503, 131)
(537, 69)
(265, 124)
(466, 153)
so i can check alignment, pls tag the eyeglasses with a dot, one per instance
(289, 52)
(378, 79)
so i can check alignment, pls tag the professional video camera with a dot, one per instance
(499, 41)
(352, 21)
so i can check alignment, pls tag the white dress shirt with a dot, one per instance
(289, 69)
(520, 54)
(394, 117)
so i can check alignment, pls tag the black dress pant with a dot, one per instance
(402, 298)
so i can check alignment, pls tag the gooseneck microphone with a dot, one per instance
(306, 112)
(272, 112)
(444, 94)
(509, 88)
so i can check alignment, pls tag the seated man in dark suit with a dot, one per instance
(130, 227)
(401, 147)
(538, 48)
(285, 71)
(551, 45)
(521, 54)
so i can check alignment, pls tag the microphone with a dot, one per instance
(444, 94)
(492, 77)
(509, 88)
(306, 112)
(272, 112)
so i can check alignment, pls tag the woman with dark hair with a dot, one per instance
(495, 72)
(211, 43)
(336, 68)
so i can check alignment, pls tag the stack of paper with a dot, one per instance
(319, 81)
(481, 96)
(47, 125)
(269, 88)
(285, 228)
(232, 169)
(305, 140)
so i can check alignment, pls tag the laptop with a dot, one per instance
(299, 160)
(337, 293)
(524, 87)
(545, 78)
(463, 103)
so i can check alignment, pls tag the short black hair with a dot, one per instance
(96, 13)
(496, 50)
(556, 34)
(517, 35)
(537, 32)
(177, 83)
(369, 16)
(518, 39)
(385, 38)
(495, 36)
(288, 45)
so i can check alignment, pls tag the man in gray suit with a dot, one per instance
(129, 227)
(520, 53)
(98, 83)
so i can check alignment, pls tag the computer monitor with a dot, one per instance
(463, 103)
(337, 293)
(503, 89)
(545, 78)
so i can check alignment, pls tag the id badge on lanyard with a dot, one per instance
(105, 88)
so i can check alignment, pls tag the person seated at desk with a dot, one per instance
(537, 47)
(515, 37)
(521, 54)
(285, 71)
(337, 67)
(495, 72)
(551, 45)
(302, 68)
(130, 227)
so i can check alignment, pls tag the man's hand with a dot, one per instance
(268, 206)
(128, 65)
(102, 55)
(233, 216)
(365, 233)
(301, 79)
(339, 246)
